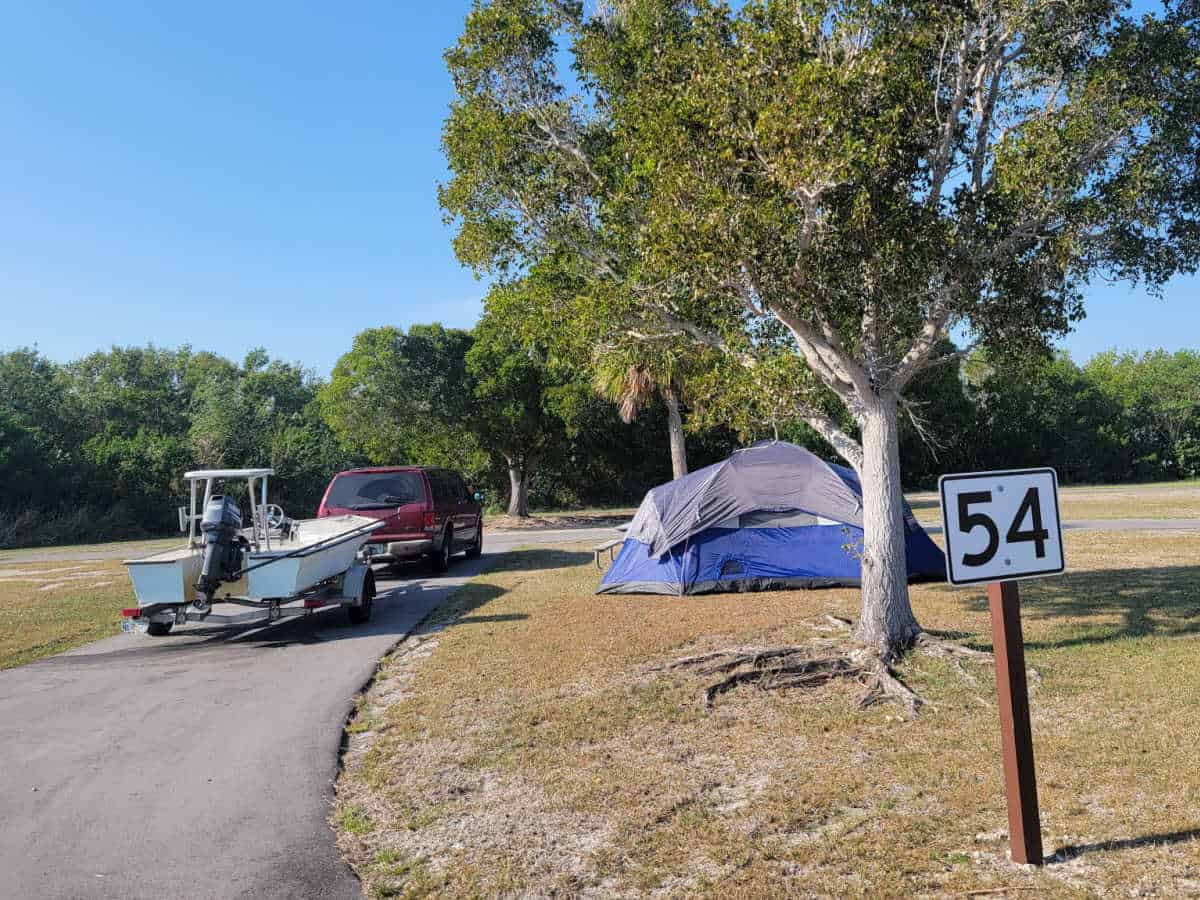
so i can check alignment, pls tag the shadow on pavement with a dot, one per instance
(332, 624)
(323, 626)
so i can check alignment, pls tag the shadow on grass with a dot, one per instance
(470, 597)
(1065, 854)
(533, 559)
(1112, 605)
(483, 620)
(526, 560)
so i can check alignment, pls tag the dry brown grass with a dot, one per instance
(71, 552)
(50, 607)
(533, 746)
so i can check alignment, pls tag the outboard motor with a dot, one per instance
(223, 547)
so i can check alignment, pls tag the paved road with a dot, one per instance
(200, 764)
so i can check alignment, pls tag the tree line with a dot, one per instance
(94, 449)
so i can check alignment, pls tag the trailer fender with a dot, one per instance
(352, 583)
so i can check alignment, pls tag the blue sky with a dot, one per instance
(229, 175)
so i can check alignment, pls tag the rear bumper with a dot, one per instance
(385, 551)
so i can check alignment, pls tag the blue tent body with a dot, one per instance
(772, 516)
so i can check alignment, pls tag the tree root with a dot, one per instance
(885, 685)
(780, 668)
(777, 668)
(756, 659)
(801, 673)
(934, 646)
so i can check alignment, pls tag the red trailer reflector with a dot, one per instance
(313, 604)
(131, 613)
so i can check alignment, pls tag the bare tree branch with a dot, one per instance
(848, 448)
(558, 141)
(673, 327)
(930, 333)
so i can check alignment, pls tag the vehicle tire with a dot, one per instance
(362, 613)
(158, 629)
(476, 548)
(440, 560)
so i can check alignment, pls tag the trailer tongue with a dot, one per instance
(276, 565)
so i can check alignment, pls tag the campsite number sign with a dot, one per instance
(1001, 526)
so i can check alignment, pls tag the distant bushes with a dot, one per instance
(72, 525)
(93, 450)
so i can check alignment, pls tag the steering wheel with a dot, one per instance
(274, 515)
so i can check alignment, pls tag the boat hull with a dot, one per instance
(171, 580)
(322, 550)
(290, 576)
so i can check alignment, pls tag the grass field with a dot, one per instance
(530, 742)
(1168, 500)
(76, 552)
(48, 608)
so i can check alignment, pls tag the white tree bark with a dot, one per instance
(679, 466)
(886, 622)
(518, 494)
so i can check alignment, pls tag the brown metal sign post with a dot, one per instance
(1016, 735)
(1001, 526)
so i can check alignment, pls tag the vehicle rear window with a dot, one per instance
(442, 490)
(367, 491)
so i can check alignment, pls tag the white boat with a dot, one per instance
(275, 560)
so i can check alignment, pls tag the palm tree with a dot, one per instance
(632, 386)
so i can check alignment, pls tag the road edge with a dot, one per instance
(422, 631)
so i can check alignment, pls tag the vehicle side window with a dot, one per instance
(461, 488)
(441, 492)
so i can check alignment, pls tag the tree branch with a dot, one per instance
(676, 327)
(931, 331)
(848, 448)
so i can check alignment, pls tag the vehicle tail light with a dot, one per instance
(131, 613)
(429, 521)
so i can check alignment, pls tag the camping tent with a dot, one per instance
(770, 516)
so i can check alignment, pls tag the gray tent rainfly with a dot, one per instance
(767, 476)
(770, 516)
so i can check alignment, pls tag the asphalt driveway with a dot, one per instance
(200, 764)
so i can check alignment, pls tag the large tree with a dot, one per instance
(521, 403)
(406, 397)
(837, 184)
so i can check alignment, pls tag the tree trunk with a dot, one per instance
(679, 466)
(887, 622)
(518, 494)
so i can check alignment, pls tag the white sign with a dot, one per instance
(1000, 526)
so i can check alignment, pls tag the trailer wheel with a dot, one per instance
(158, 629)
(362, 613)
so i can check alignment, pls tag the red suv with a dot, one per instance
(429, 512)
